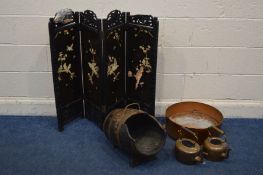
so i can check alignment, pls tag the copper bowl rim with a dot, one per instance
(217, 123)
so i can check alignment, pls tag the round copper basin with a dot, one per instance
(202, 119)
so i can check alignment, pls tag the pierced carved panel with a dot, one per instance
(145, 20)
(90, 19)
(115, 18)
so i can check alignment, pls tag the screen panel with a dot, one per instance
(142, 40)
(91, 45)
(114, 59)
(66, 68)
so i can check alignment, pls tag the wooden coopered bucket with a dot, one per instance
(134, 131)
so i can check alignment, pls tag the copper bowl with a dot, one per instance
(197, 111)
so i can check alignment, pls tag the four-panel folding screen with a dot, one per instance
(102, 64)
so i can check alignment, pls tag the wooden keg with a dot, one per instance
(134, 131)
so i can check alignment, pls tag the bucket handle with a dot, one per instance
(131, 104)
(127, 106)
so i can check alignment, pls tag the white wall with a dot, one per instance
(209, 51)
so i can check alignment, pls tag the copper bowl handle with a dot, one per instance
(216, 129)
(190, 132)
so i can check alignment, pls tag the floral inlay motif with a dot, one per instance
(141, 30)
(65, 32)
(94, 69)
(64, 68)
(70, 48)
(144, 66)
(115, 36)
(112, 68)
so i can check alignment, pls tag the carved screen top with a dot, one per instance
(90, 19)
